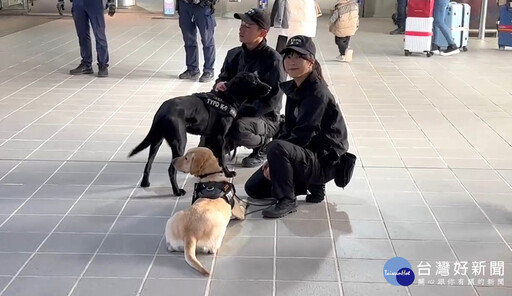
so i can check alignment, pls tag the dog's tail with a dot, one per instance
(190, 256)
(148, 140)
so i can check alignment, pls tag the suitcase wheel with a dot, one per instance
(502, 47)
(465, 48)
(407, 53)
(429, 54)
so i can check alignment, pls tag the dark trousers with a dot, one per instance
(252, 132)
(342, 43)
(401, 13)
(281, 43)
(192, 18)
(92, 14)
(292, 170)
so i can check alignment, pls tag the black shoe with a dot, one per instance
(452, 49)
(81, 69)
(317, 193)
(435, 49)
(281, 209)
(256, 158)
(102, 71)
(189, 75)
(398, 31)
(206, 77)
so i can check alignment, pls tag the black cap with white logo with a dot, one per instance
(301, 44)
(255, 17)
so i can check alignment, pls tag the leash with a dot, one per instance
(248, 203)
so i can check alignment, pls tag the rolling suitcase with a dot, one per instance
(418, 27)
(457, 18)
(505, 26)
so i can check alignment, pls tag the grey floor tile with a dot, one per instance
(35, 178)
(363, 248)
(252, 227)
(4, 280)
(470, 232)
(304, 247)
(20, 242)
(31, 223)
(358, 229)
(72, 178)
(9, 205)
(93, 224)
(235, 288)
(354, 212)
(414, 230)
(10, 263)
(247, 246)
(3, 218)
(97, 207)
(442, 291)
(176, 266)
(306, 269)
(107, 287)
(154, 287)
(119, 266)
(130, 244)
(499, 215)
(72, 243)
(240, 268)
(309, 211)
(81, 167)
(59, 192)
(140, 225)
(506, 231)
(21, 191)
(406, 213)
(40, 286)
(56, 265)
(303, 228)
(459, 214)
(494, 291)
(45, 206)
(423, 250)
(362, 270)
(448, 199)
(149, 208)
(374, 289)
(286, 288)
(118, 179)
(482, 251)
(108, 192)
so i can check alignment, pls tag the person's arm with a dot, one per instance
(309, 120)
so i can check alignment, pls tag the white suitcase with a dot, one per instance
(418, 35)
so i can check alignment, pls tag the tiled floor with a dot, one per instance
(433, 181)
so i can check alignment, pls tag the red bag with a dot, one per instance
(420, 8)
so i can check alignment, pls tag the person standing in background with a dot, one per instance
(293, 17)
(401, 15)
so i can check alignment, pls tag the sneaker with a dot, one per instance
(102, 71)
(281, 209)
(256, 158)
(81, 69)
(206, 77)
(348, 55)
(189, 75)
(317, 193)
(341, 58)
(397, 31)
(435, 49)
(451, 50)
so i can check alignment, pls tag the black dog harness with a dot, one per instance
(216, 103)
(214, 190)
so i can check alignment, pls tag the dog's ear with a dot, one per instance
(197, 163)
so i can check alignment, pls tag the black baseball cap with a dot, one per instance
(301, 44)
(255, 17)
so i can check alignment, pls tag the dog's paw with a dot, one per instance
(230, 174)
(180, 192)
(144, 183)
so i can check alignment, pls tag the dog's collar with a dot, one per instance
(209, 174)
(214, 190)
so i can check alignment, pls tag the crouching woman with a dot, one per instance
(313, 140)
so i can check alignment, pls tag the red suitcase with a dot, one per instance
(420, 8)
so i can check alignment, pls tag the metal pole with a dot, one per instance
(483, 20)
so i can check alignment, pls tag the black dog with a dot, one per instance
(206, 114)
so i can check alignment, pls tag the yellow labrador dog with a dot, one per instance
(201, 227)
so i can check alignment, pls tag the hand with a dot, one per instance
(266, 170)
(60, 6)
(111, 6)
(221, 86)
